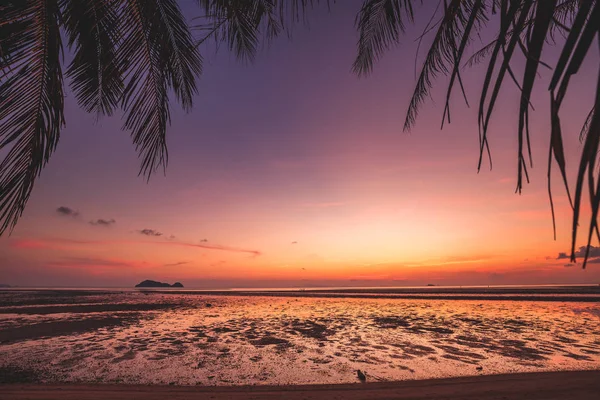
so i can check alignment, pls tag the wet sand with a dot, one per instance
(202, 339)
(582, 385)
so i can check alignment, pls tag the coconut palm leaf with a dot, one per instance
(179, 55)
(96, 76)
(380, 23)
(586, 125)
(539, 29)
(157, 54)
(476, 16)
(515, 16)
(564, 13)
(243, 24)
(235, 22)
(585, 27)
(31, 100)
(441, 55)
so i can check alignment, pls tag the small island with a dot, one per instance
(154, 284)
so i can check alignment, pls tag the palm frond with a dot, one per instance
(481, 54)
(380, 23)
(244, 24)
(31, 101)
(586, 126)
(515, 15)
(542, 20)
(91, 26)
(563, 14)
(585, 27)
(178, 52)
(12, 29)
(156, 54)
(442, 54)
(234, 22)
(477, 16)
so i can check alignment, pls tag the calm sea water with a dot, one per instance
(190, 339)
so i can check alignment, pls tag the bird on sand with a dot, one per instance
(361, 376)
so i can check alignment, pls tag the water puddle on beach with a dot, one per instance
(160, 338)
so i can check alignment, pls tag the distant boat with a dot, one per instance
(430, 284)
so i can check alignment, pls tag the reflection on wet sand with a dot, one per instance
(191, 339)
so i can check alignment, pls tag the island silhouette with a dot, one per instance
(151, 283)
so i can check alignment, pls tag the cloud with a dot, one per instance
(294, 242)
(62, 243)
(204, 241)
(215, 247)
(594, 252)
(176, 264)
(149, 232)
(103, 222)
(67, 211)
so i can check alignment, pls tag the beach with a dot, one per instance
(535, 386)
(307, 344)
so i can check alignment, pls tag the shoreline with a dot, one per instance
(574, 385)
(584, 298)
(585, 294)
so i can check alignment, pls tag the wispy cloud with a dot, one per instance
(103, 222)
(176, 264)
(150, 232)
(61, 243)
(215, 247)
(67, 211)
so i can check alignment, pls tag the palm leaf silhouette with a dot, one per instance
(157, 54)
(96, 77)
(32, 100)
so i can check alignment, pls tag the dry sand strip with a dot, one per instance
(578, 385)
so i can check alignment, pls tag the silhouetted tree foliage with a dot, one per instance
(131, 54)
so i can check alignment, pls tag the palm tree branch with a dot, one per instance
(31, 111)
(96, 76)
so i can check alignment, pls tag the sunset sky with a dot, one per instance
(291, 171)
